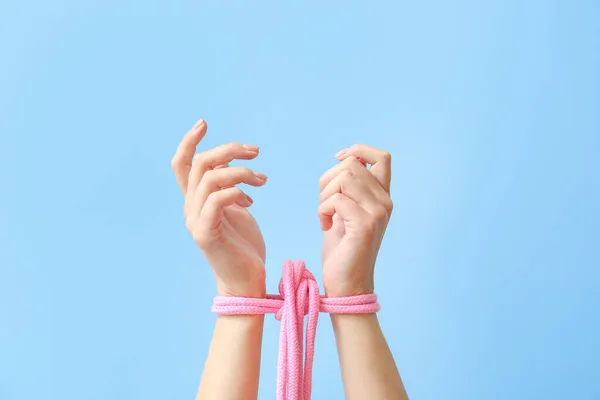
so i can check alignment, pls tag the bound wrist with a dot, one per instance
(345, 290)
(254, 291)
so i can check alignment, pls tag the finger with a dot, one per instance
(212, 212)
(219, 179)
(218, 156)
(380, 160)
(354, 187)
(351, 164)
(182, 160)
(359, 169)
(340, 205)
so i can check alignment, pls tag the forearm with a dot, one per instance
(232, 367)
(368, 367)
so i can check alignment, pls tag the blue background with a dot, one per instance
(489, 271)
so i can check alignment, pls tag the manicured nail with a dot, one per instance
(198, 124)
(340, 153)
(260, 176)
(251, 147)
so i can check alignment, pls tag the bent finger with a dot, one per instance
(341, 205)
(221, 179)
(353, 186)
(350, 163)
(380, 160)
(182, 160)
(212, 213)
(217, 157)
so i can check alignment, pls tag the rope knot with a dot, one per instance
(296, 284)
(298, 297)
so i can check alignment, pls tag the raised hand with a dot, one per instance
(354, 211)
(216, 211)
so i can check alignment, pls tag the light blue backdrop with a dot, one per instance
(489, 271)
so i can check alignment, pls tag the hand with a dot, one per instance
(354, 212)
(216, 212)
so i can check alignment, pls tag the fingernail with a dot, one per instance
(249, 199)
(340, 153)
(198, 124)
(250, 147)
(260, 176)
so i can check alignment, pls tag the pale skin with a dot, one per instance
(354, 211)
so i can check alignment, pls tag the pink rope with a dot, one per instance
(298, 296)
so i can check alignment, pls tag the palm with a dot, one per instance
(338, 251)
(240, 256)
(347, 259)
(241, 232)
(332, 239)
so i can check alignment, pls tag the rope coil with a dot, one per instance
(298, 297)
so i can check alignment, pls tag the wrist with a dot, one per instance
(349, 289)
(257, 290)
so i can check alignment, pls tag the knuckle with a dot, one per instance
(209, 175)
(201, 238)
(355, 164)
(369, 226)
(334, 198)
(351, 160)
(213, 198)
(199, 160)
(389, 205)
(337, 197)
(246, 171)
(175, 163)
(234, 146)
(352, 163)
(322, 181)
(380, 214)
(386, 156)
(221, 196)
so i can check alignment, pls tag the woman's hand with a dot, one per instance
(216, 212)
(354, 211)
